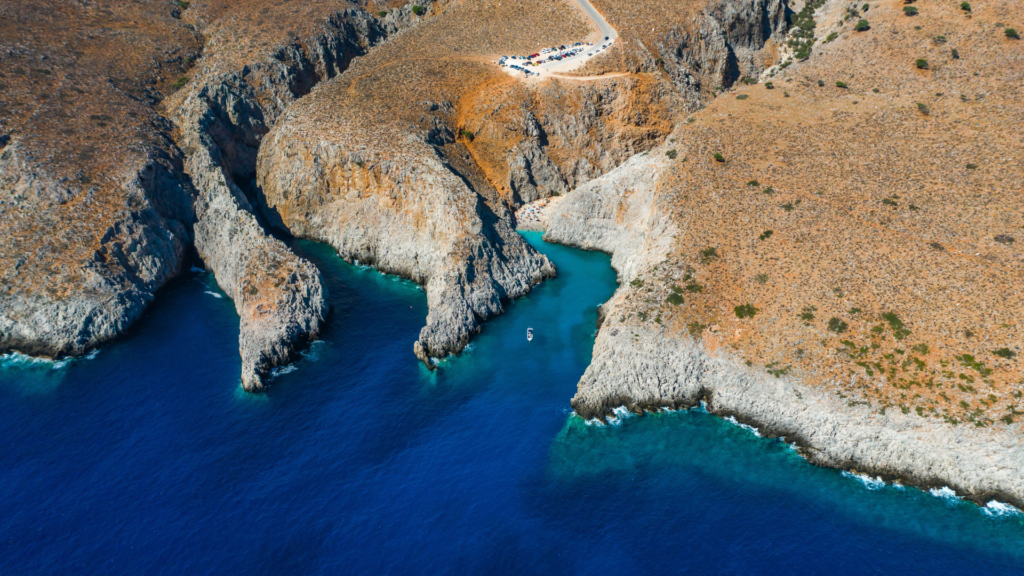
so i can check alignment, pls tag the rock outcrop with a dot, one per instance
(94, 214)
(646, 369)
(222, 117)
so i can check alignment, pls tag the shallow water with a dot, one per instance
(148, 458)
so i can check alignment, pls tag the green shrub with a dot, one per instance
(836, 325)
(923, 109)
(675, 299)
(708, 255)
(865, 7)
(671, 154)
(753, 183)
(831, 37)
(862, 26)
(841, 84)
(972, 166)
(910, 10)
(807, 315)
(467, 134)
(769, 85)
(742, 96)
(745, 311)
(1011, 33)
(382, 13)
(179, 82)
(719, 158)
(184, 5)
(921, 349)
(921, 64)
(418, 10)
(1004, 353)
(694, 288)
(765, 235)
(695, 328)
(1005, 239)
(821, 83)
(636, 283)
(761, 278)
(899, 330)
(965, 6)
(955, 53)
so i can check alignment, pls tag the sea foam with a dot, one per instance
(214, 294)
(870, 483)
(732, 420)
(996, 509)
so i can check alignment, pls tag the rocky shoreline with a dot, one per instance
(642, 367)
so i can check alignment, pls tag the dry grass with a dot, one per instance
(873, 209)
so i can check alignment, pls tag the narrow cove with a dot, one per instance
(149, 458)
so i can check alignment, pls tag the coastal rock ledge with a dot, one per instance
(644, 369)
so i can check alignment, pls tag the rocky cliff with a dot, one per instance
(222, 116)
(830, 255)
(94, 216)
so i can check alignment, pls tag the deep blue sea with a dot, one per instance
(148, 458)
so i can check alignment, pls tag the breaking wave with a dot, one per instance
(870, 483)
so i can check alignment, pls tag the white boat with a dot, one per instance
(529, 334)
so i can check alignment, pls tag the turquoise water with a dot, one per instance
(148, 458)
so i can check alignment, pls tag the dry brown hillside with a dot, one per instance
(863, 230)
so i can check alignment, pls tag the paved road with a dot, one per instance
(553, 68)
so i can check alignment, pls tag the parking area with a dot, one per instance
(566, 57)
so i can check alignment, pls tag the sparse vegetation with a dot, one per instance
(637, 283)
(181, 81)
(745, 311)
(1005, 353)
(708, 255)
(807, 314)
(675, 299)
(761, 278)
(694, 288)
(836, 325)
(801, 31)
(899, 330)
(1005, 239)
(695, 328)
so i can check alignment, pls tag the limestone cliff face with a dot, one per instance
(222, 119)
(409, 215)
(81, 262)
